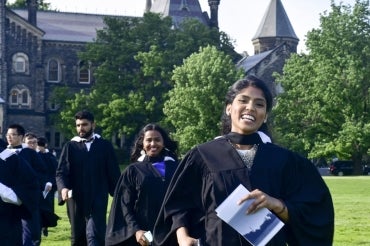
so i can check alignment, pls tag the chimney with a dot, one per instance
(213, 4)
(148, 6)
(32, 11)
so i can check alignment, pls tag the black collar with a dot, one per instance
(237, 138)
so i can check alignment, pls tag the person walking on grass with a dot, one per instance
(87, 173)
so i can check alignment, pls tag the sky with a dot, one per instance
(238, 18)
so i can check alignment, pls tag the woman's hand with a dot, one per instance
(140, 238)
(262, 200)
(184, 239)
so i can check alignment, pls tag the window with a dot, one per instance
(20, 63)
(24, 97)
(53, 71)
(14, 97)
(84, 72)
(53, 105)
(20, 96)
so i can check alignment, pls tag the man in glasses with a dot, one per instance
(31, 226)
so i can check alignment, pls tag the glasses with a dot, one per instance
(11, 135)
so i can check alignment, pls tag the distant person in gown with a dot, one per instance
(141, 188)
(86, 175)
(19, 195)
(280, 180)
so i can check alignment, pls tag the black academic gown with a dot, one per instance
(211, 171)
(91, 175)
(47, 203)
(21, 178)
(137, 201)
(38, 165)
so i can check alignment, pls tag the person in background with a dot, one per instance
(48, 218)
(18, 195)
(14, 136)
(87, 173)
(278, 179)
(141, 188)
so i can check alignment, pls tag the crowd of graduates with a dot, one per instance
(159, 199)
(29, 185)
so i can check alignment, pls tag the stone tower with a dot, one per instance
(275, 29)
(213, 5)
(180, 10)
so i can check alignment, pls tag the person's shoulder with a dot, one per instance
(135, 167)
(217, 140)
(7, 155)
(29, 151)
(103, 141)
(272, 147)
(283, 152)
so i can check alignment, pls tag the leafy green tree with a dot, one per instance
(42, 5)
(134, 59)
(195, 103)
(324, 110)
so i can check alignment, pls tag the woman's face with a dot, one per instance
(247, 111)
(153, 143)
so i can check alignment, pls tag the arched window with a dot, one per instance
(14, 97)
(24, 97)
(84, 72)
(20, 96)
(54, 71)
(20, 63)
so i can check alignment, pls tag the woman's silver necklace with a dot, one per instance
(248, 155)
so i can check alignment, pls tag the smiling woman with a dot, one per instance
(141, 188)
(279, 180)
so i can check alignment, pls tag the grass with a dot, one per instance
(351, 196)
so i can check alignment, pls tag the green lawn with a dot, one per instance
(351, 196)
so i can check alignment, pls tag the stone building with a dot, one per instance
(274, 42)
(38, 52)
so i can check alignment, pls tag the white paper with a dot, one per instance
(46, 190)
(69, 194)
(148, 236)
(258, 228)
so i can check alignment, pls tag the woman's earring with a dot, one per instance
(265, 120)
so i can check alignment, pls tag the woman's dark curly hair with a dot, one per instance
(234, 90)
(169, 145)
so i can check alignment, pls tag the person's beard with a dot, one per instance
(86, 135)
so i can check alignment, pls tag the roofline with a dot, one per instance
(21, 21)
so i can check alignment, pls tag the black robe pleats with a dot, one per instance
(211, 171)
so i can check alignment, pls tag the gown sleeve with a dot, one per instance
(182, 202)
(26, 185)
(310, 206)
(122, 223)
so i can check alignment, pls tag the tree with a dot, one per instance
(195, 103)
(324, 110)
(42, 5)
(134, 59)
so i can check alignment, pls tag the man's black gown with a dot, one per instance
(137, 200)
(21, 178)
(211, 171)
(91, 175)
